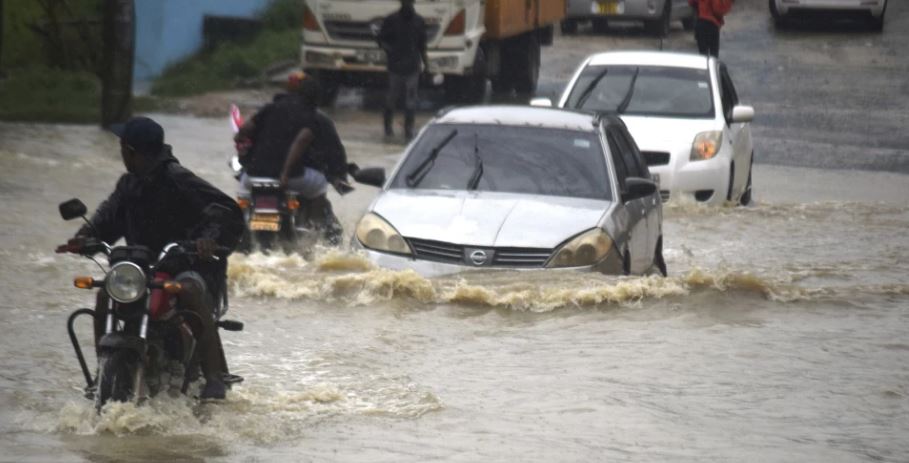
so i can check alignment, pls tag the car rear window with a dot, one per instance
(656, 91)
(530, 160)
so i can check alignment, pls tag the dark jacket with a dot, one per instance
(404, 41)
(276, 127)
(170, 204)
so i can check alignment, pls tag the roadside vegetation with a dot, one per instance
(50, 60)
(238, 63)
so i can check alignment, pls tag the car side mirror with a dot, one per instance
(72, 209)
(373, 176)
(636, 188)
(742, 114)
(541, 102)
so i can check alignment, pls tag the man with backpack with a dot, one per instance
(710, 15)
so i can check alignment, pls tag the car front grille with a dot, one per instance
(655, 158)
(440, 251)
(517, 257)
(361, 31)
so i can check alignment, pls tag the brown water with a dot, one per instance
(782, 334)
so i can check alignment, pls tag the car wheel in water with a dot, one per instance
(660, 27)
(745, 199)
(775, 14)
(569, 26)
(731, 182)
(877, 24)
(658, 262)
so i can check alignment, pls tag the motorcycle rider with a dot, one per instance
(158, 202)
(291, 140)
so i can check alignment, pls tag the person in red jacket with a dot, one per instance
(710, 19)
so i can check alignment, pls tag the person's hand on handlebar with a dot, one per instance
(73, 245)
(206, 247)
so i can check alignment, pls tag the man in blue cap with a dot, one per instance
(158, 202)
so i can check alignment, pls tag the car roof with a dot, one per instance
(521, 116)
(650, 58)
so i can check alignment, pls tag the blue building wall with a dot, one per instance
(168, 30)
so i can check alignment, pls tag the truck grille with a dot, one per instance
(456, 254)
(361, 31)
(655, 158)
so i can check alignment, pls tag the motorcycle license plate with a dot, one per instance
(265, 222)
(610, 7)
(266, 202)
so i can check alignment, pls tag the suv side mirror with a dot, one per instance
(72, 209)
(742, 114)
(373, 176)
(636, 188)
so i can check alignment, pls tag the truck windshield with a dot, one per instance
(658, 91)
(530, 160)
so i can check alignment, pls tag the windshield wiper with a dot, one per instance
(478, 170)
(630, 93)
(589, 88)
(416, 176)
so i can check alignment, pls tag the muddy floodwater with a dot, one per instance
(781, 333)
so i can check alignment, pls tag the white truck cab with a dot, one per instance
(339, 42)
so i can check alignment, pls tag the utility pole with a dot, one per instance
(119, 38)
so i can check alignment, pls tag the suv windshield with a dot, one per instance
(650, 91)
(530, 160)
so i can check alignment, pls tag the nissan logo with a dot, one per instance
(478, 257)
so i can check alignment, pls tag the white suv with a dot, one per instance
(874, 10)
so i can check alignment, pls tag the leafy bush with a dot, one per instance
(41, 93)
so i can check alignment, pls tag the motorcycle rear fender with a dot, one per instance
(121, 341)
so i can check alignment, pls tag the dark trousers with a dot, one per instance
(192, 297)
(406, 86)
(708, 36)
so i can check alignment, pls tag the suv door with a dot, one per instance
(739, 135)
(625, 167)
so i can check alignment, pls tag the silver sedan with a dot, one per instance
(517, 188)
(656, 14)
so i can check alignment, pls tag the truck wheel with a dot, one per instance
(600, 25)
(660, 27)
(775, 14)
(329, 86)
(527, 66)
(569, 26)
(471, 88)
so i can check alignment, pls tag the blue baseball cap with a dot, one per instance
(141, 134)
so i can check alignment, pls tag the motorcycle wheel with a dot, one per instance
(115, 379)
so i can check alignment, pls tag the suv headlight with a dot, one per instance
(585, 249)
(706, 145)
(377, 234)
(126, 282)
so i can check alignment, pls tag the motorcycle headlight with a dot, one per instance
(585, 249)
(706, 145)
(126, 282)
(377, 234)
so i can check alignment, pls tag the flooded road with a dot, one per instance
(781, 334)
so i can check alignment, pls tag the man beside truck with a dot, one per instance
(403, 38)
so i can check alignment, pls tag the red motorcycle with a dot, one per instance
(149, 343)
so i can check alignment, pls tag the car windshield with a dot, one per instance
(530, 160)
(644, 91)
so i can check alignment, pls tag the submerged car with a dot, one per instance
(656, 14)
(502, 187)
(684, 114)
(872, 10)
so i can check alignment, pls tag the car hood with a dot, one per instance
(488, 219)
(666, 134)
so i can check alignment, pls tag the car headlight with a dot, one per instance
(377, 234)
(126, 282)
(585, 249)
(706, 145)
